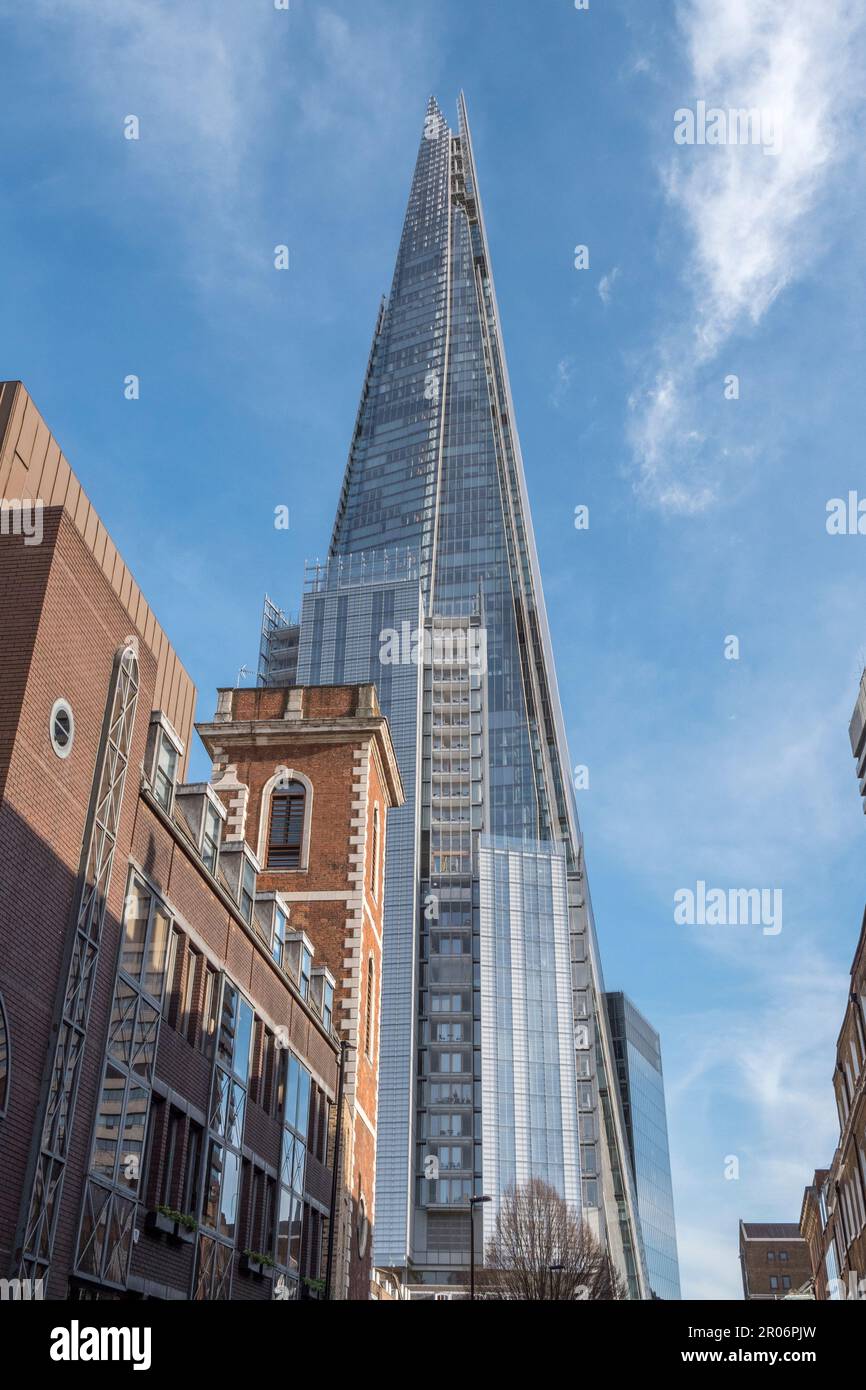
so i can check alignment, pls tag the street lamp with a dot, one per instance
(473, 1203)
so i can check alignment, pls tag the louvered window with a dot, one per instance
(287, 827)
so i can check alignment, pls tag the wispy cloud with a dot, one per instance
(606, 284)
(227, 96)
(562, 382)
(747, 214)
(766, 1061)
(199, 79)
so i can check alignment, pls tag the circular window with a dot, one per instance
(61, 727)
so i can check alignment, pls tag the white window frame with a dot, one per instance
(61, 706)
(280, 780)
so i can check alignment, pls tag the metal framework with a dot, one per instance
(48, 1164)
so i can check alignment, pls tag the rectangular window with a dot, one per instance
(248, 890)
(173, 973)
(108, 1123)
(216, 1154)
(286, 828)
(132, 1137)
(230, 1193)
(135, 930)
(207, 1036)
(188, 1011)
(228, 1026)
(157, 950)
(284, 1227)
(269, 1064)
(257, 1062)
(210, 844)
(192, 1170)
(267, 1228)
(243, 1040)
(165, 773)
(298, 1096)
(306, 971)
(279, 947)
(173, 1147)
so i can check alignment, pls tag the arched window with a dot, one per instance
(286, 828)
(368, 1019)
(374, 853)
(4, 1060)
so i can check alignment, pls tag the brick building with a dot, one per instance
(330, 747)
(833, 1216)
(813, 1223)
(172, 1016)
(774, 1259)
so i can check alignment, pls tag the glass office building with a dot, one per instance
(497, 1063)
(637, 1049)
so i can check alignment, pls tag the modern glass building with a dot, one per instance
(497, 1062)
(638, 1055)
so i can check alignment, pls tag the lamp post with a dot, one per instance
(473, 1203)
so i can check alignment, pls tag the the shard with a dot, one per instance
(496, 1062)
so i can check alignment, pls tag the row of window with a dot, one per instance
(236, 870)
(170, 1159)
(850, 1067)
(285, 848)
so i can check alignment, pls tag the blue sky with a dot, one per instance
(707, 516)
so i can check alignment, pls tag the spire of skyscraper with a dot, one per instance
(496, 1061)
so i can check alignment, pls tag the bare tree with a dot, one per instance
(542, 1250)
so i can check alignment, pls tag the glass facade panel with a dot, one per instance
(432, 590)
(641, 1081)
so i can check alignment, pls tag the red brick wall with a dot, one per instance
(346, 934)
(63, 623)
(42, 821)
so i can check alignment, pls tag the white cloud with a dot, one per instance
(198, 79)
(562, 383)
(753, 220)
(225, 95)
(606, 284)
(767, 1066)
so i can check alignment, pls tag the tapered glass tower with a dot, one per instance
(495, 1051)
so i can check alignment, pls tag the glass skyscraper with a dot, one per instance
(496, 1055)
(637, 1049)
